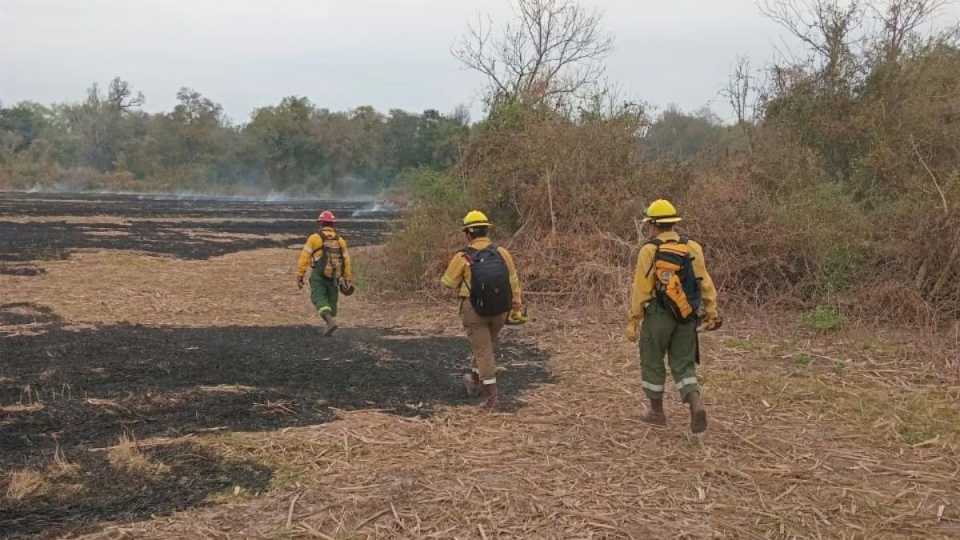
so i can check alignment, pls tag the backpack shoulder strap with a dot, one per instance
(653, 242)
(467, 253)
(319, 244)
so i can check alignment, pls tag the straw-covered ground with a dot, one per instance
(146, 395)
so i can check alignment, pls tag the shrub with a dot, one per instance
(824, 319)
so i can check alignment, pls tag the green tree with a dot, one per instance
(290, 152)
(682, 136)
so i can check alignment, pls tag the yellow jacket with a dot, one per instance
(643, 279)
(458, 271)
(313, 251)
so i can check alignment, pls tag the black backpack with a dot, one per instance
(490, 292)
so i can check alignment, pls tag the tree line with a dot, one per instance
(107, 141)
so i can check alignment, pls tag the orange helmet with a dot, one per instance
(327, 217)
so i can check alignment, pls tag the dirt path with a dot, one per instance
(249, 425)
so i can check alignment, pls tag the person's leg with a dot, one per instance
(490, 390)
(318, 294)
(333, 294)
(655, 334)
(683, 367)
(471, 381)
(324, 297)
(481, 342)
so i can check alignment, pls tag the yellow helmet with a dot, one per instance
(475, 218)
(662, 211)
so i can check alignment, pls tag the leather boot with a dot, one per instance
(331, 324)
(471, 383)
(490, 391)
(655, 415)
(698, 415)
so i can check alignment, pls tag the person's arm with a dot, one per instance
(347, 265)
(453, 277)
(708, 291)
(641, 291)
(515, 286)
(304, 261)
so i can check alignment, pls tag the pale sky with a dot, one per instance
(345, 53)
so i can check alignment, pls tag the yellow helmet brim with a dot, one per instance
(675, 219)
(477, 224)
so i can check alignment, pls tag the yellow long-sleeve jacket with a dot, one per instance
(313, 251)
(458, 272)
(643, 279)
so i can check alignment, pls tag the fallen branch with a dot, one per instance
(933, 177)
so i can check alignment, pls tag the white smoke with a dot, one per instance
(375, 208)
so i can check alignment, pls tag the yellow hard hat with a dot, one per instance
(475, 218)
(662, 211)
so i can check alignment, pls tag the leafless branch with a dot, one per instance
(900, 19)
(933, 177)
(827, 27)
(554, 49)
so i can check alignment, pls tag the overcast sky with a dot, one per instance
(344, 53)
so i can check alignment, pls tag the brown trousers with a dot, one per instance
(482, 332)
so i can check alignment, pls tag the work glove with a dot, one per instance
(711, 323)
(299, 282)
(632, 332)
(518, 315)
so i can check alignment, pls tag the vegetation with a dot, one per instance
(108, 142)
(838, 186)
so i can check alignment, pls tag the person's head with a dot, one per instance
(476, 225)
(477, 232)
(326, 219)
(661, 227)
(661, 216)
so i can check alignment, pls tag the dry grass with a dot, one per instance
(57, 480)
(795, 449)
(26, 483)
(851, 434)
(127, 456)
(61, 467)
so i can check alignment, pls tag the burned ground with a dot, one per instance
(91, 489)
(81, 388)
(25, 242)
(157, 206)
(227, 226)
(166, 381)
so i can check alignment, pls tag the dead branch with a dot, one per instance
(554, 49)
(933, 177)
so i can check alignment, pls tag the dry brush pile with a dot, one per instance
(848, 210)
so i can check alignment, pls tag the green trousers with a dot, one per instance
(661, 335)
(324, 293)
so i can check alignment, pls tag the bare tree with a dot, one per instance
(552, 50)
(738, 88)
(738, 91)
(827, 27)
(900, 19)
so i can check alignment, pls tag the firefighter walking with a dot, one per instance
(326, 253)
(485, 277)
(672, 294)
